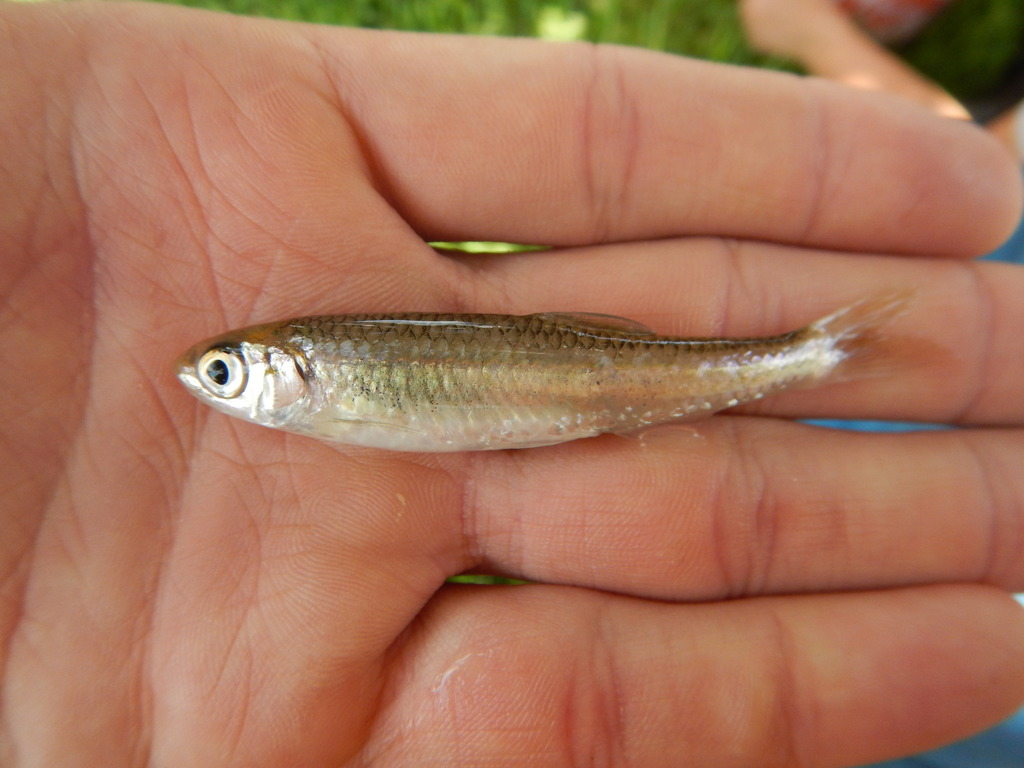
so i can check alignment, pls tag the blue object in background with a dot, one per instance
(1012, 250)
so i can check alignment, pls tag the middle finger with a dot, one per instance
(748, 506)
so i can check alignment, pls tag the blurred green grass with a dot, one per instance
(703, 28)
(968, 49)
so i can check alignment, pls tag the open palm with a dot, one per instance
(178, 588)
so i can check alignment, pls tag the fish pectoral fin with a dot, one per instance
(376, 425)
(597, 322)
(365, 432)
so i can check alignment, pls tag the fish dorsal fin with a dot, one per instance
(592, 321)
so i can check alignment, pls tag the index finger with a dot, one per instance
(525, 141)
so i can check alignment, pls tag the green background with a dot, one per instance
(968, 49)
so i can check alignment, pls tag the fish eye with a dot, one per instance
(222, 372)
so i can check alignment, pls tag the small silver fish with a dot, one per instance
(434, 382)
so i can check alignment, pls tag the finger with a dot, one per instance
(293, 569)
(546, 676)
(227, 186)
(744, 506)
(524, 141)
(953, 357)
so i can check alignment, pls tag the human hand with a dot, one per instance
(794, 28)
(827, 42)
(180, 588)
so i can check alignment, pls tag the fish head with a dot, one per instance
(251, 378)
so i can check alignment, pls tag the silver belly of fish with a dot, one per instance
(430, 382)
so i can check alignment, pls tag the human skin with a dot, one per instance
(178, 588)
(828, 43)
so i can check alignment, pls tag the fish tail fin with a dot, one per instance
(856, 333)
